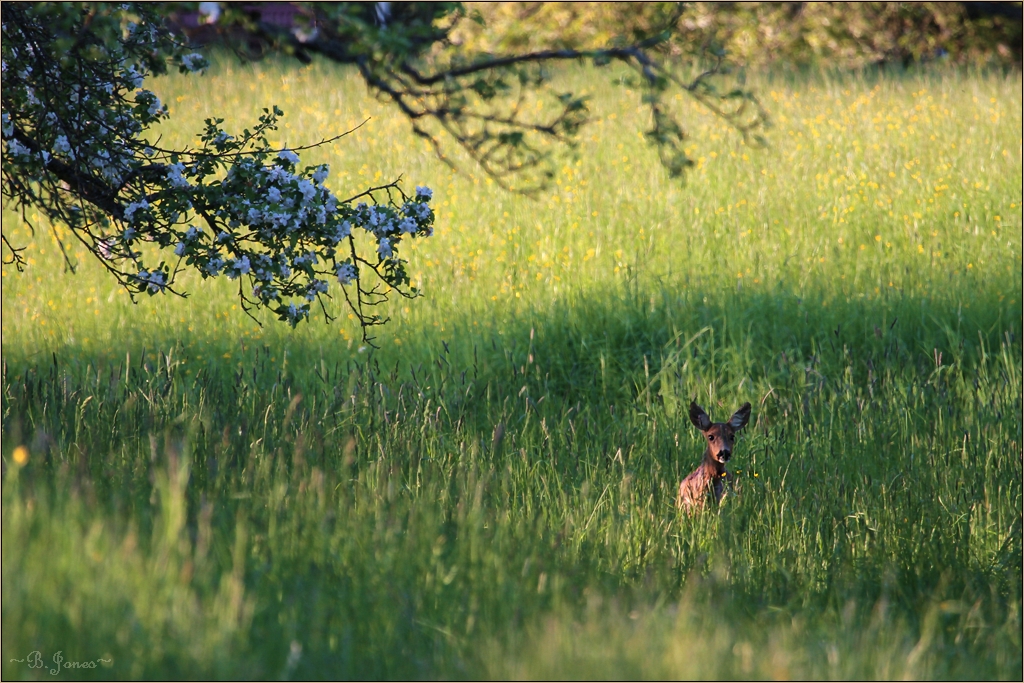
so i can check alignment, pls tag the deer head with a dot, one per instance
(719, 435)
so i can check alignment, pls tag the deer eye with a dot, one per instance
(711, 437)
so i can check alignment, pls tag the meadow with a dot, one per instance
(491, 493)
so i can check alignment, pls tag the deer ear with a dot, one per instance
(699, 418)
(740, 417)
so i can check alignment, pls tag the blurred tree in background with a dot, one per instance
(830, 34)
(473, 94)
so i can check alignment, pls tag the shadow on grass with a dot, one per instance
(388, 514)
(595, 339)
(617, 363)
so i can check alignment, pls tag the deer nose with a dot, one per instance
(724, 455)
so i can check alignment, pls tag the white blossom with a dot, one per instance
(18, 149)
(155, 107)
(240, 266)
(194, 62)
(104, 247)
(209, 12)
(155, 281)
(307, 189)
(422, 191)
(214, 265)
(133, 76)
(61, 144)
(384, 249)
(346, 273)
(129, 211)
(175, 178)
(372, 218)
(289, 156)
(264, 292)
(315, 288)
(343, 231)
(277, 174)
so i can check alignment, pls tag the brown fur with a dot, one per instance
(711, 478)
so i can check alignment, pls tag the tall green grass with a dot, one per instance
(491, 493)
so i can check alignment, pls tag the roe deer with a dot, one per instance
(707, 479)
